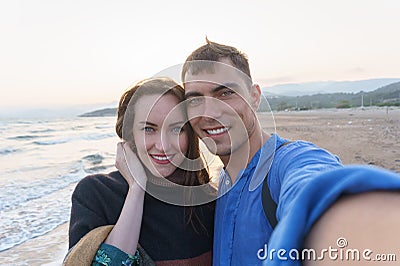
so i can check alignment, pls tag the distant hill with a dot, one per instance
(310, 88)
(101, 112)
(386, 95)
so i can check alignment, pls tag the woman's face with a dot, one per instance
(158, 132)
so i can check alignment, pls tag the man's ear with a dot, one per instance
(255, 96)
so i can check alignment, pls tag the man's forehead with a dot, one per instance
(216, 76)
(214, 72)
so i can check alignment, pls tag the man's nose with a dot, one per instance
(212, 108)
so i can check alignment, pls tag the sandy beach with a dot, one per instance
(358, 136)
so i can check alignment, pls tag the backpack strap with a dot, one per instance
(268, 203)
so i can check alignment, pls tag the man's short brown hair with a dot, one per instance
(213, 51)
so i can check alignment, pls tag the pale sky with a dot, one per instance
(55, 53)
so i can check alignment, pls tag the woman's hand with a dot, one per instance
(130, 166)
(125, 234)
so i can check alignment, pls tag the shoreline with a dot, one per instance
(46, 250)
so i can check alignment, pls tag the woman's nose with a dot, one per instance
(162, 143)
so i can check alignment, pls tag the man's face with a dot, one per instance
(219, 107)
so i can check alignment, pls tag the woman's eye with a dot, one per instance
(148, 129)
(177, 130)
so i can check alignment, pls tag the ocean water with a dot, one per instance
(41, 162)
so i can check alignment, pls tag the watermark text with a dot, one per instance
(340, 252)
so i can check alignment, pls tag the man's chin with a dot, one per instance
(223, 152)
(228, 151)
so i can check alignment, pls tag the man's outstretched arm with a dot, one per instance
(361, 229)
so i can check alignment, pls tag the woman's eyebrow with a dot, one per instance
(179, 123)
(147, 123)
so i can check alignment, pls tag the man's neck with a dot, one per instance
(236, 161)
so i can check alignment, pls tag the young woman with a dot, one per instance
(158, 208)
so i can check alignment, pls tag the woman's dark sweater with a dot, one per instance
(165, 233)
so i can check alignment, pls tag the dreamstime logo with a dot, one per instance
(341, 242)
(331, 253)
(232, 81)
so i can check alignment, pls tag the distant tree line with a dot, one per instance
(385, 96)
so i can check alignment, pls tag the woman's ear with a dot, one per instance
(255, 95)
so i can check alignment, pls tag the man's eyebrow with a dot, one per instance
(225, 86)
(192, 94)
(216, 89)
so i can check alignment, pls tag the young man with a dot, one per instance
(303, 179)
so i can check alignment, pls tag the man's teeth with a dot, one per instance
(217, 131)
(160, 158)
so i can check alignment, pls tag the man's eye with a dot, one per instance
(227, 93)
(195, 101)
(148, 129)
